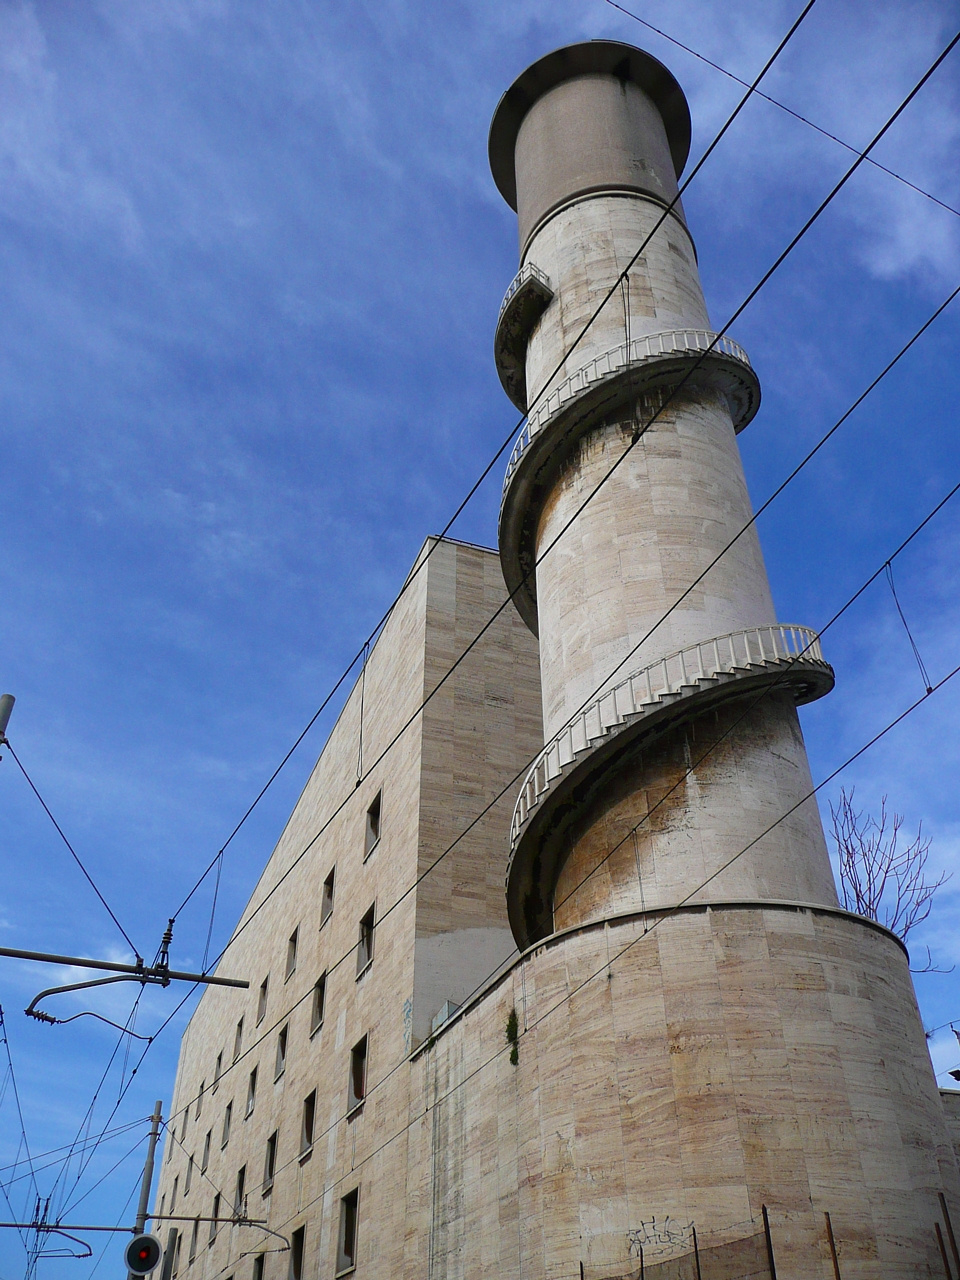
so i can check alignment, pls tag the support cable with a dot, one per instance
(891, 364)
(74, 854)
(607, 964)
(906, 626)
(789, 110)
(851, 600)
(751, 89)
(824, 204)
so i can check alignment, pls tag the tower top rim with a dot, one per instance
(590, 57)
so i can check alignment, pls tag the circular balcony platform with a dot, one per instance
(581, 402)
(570, 770)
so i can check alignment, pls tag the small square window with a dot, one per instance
(281, 1053)
(213, 1220)
(205, 1158)
(326, 902)
(309, 1120)
(292, 951)
(258, 1266)
(262, 999)
(358, 1074)
(270, 1161)
(372, 833)
(251, 1093)
(238, 1040)
(319, 1002)
(365, 941)
(296, 1254)
(347, 1246)
(227, 1117)
(199, 1107)
(193, 1239)
(218, 1067)
(240, 1193)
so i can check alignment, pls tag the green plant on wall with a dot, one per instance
(513, 1036)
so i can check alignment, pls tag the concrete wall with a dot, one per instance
(723, 1060)
(654, 526)
(671, 817)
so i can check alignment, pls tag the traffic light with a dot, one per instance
(143, 1254)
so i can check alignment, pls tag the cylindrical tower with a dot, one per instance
(669, 688)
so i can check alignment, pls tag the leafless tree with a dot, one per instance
(879, 878)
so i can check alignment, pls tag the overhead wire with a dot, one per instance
(624, 274)
(848, 175)
(836, 616)
(76, 857)
(606, 967)
(887, 368)
(783, 107)
(890, 365)
(606, 477)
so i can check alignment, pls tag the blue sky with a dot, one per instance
(251, 258)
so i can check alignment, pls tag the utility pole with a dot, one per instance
(147, 1182)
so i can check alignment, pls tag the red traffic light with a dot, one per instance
(142, 1255)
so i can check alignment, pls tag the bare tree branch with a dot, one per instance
(879, 878)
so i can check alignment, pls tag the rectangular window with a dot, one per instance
(193, 1239)
(372, 835)
(258, 1266)
(175, 1269)
(205, 1158)
(163, 1205)
(238, 1040)
(238, 1199)
(183, 1126)
(358, 1073)
(189, 1178)
(196, 1114)
(292, 951)
(365, 942)
(251, 1092)
(281, 1053)
(347, 1248)
(227, 1117)
(262, 1000)
(270, 1162)
(173, 1194)
(218, 1067)
(213, 1220)
(296, 1254)
(326, 902)
(319, 1001)
(309, 1119)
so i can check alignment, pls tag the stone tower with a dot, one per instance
(669, 689)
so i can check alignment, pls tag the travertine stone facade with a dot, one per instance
(698, 1035)
(435, 943)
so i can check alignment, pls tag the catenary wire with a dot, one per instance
(792, 475)
(789, 110)
(883, 131)
(776, 685)
(639, 435)
(74, 854)
(839, 613)
(557, 369)
(610, 961)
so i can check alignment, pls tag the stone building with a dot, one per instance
(665, 1050)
